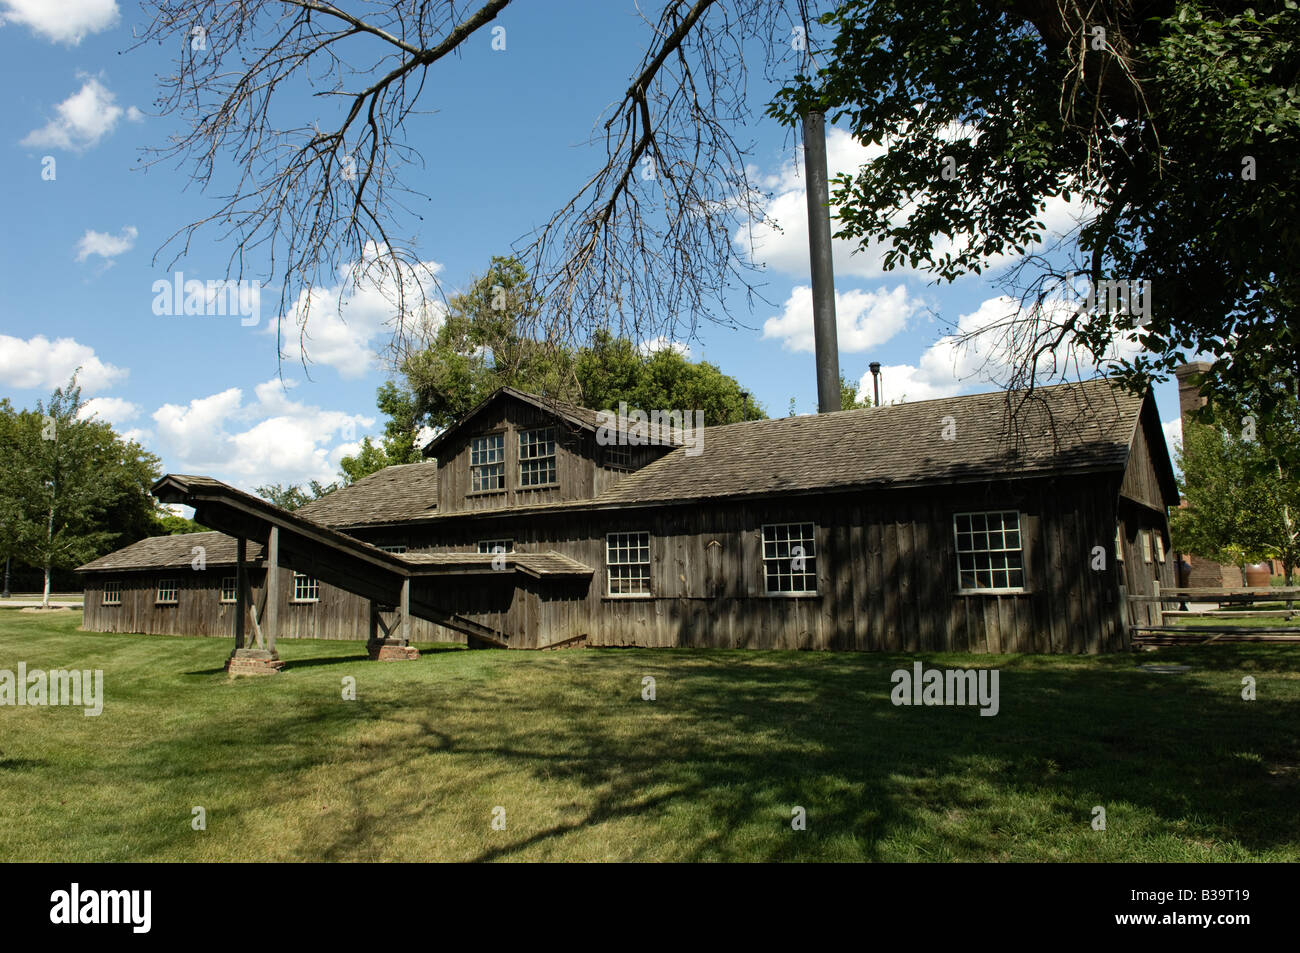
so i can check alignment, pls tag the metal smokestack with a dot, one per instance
(875, 380)
(819, 253)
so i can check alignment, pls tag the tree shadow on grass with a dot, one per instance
(733, 741)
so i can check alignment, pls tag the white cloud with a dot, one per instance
(1173, 434)
(965, 361)
(662, 343)
(106, 245)
(781, 242)
(81, 120)
(343, 320)
(41, 363)
(113, 410)
(272, 439)
(61, 21)
(863, 319)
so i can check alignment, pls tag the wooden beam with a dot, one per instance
(272, 627)
(241, 585)
(404, 611)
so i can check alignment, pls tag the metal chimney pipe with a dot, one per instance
(825, 338)
(875, 380)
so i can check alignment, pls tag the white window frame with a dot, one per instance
(991, 551)
(487, 547)
(1160, 546)
(491, 455)
(174, 589)
(528, 442)
(1146, 546)
(622, 545)
(810, 566)
(113, 592)
(234, 590)
(1119, 542)
(302, 583)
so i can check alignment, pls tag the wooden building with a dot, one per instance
(985, 523)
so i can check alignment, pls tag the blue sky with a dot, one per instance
(504, 144)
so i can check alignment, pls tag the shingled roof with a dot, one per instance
(172, 552)
(394, 494)
(1081, 427)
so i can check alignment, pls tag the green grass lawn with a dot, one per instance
(586, 770)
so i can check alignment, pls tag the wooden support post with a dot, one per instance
(404, 611)
(241, 590)
(374, 622)
(271, 627)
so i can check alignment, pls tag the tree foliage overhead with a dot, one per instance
(1175, 122)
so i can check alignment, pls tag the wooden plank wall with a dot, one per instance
(886, 566)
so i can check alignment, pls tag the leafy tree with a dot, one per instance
(849, 395)
(1240, 507)
(291, 496)
(169, 524)
(611, 370)
(483, 345)
(1175, 124)
(72, 487)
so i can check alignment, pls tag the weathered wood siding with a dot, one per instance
(886, 564)
(337, 614)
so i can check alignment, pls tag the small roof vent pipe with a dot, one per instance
(875, 380)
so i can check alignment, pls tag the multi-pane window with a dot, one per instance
(228, 584)
(396, 548)
(1146, 545)
(113, 593)
(618, 458)
(496, 546)
(790, 558)
(167, 590)
(487, 462)
(627, 558)
(990, 554)
(305, 588)
(537, 457)
(1119, 544)
(1160, 546)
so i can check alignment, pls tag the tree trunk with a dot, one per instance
(5, 594)
(49, 548)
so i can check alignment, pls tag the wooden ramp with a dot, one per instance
(297, 543)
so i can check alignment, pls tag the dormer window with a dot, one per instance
(537, 457)
(487, 463)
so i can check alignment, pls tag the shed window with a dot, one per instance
(537, 457)
(627, 557)
(790, 558)
(228, 584)
(1119, 544)
(990, 554)
(113, 593)
(396, 548)
(486, 546)
(618, 458)
(167, 589)
(487, 462)
(1146, 545)
(305, 588)
(1160, 546)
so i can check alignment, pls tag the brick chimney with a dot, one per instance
(1189, 387)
